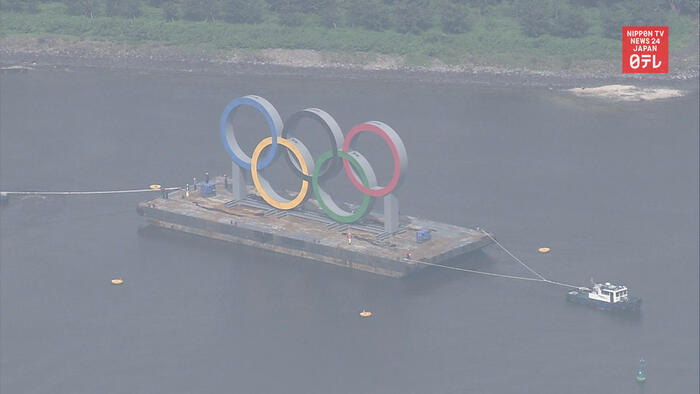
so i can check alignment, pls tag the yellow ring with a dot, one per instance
(256, 180)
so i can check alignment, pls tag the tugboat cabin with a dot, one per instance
(608, 292)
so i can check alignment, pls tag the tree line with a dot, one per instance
(563, 18)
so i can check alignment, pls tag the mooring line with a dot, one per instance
(543, 279)
(551, 282)
(513, 256)
(539, 278)
(475, 271)
(83, 193)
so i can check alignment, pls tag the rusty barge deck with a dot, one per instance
(309, 234)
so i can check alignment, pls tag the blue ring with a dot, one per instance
(259, 104)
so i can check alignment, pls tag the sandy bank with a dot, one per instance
(627, 93)
(74, 52)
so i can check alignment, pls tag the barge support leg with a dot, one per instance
(391, 213)
(238, 186)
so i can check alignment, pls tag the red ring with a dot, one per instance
(379, 192)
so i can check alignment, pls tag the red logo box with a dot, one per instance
(645, 49)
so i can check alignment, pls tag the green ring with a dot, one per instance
(317, 189)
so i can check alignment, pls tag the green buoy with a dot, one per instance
(642, 372)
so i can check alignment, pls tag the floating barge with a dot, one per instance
(306, 232)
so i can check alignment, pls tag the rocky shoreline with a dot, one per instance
(62, 52)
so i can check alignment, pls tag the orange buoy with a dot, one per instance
(155, 187)
(365, 313)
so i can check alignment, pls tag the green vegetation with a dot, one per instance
(510, 32)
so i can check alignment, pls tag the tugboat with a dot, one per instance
(606, 296)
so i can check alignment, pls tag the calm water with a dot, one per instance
(611, 188)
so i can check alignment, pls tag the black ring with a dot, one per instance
(335, 135)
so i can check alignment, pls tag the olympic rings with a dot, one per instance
(324, 200)
(274, 121)
(263, 186)
(335, 135)
(301, 161)
(397, 150)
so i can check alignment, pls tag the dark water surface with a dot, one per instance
(612, 188)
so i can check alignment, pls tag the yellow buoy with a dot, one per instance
(155, 187)
(365, 313)
(117, 281)
(543, 250)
